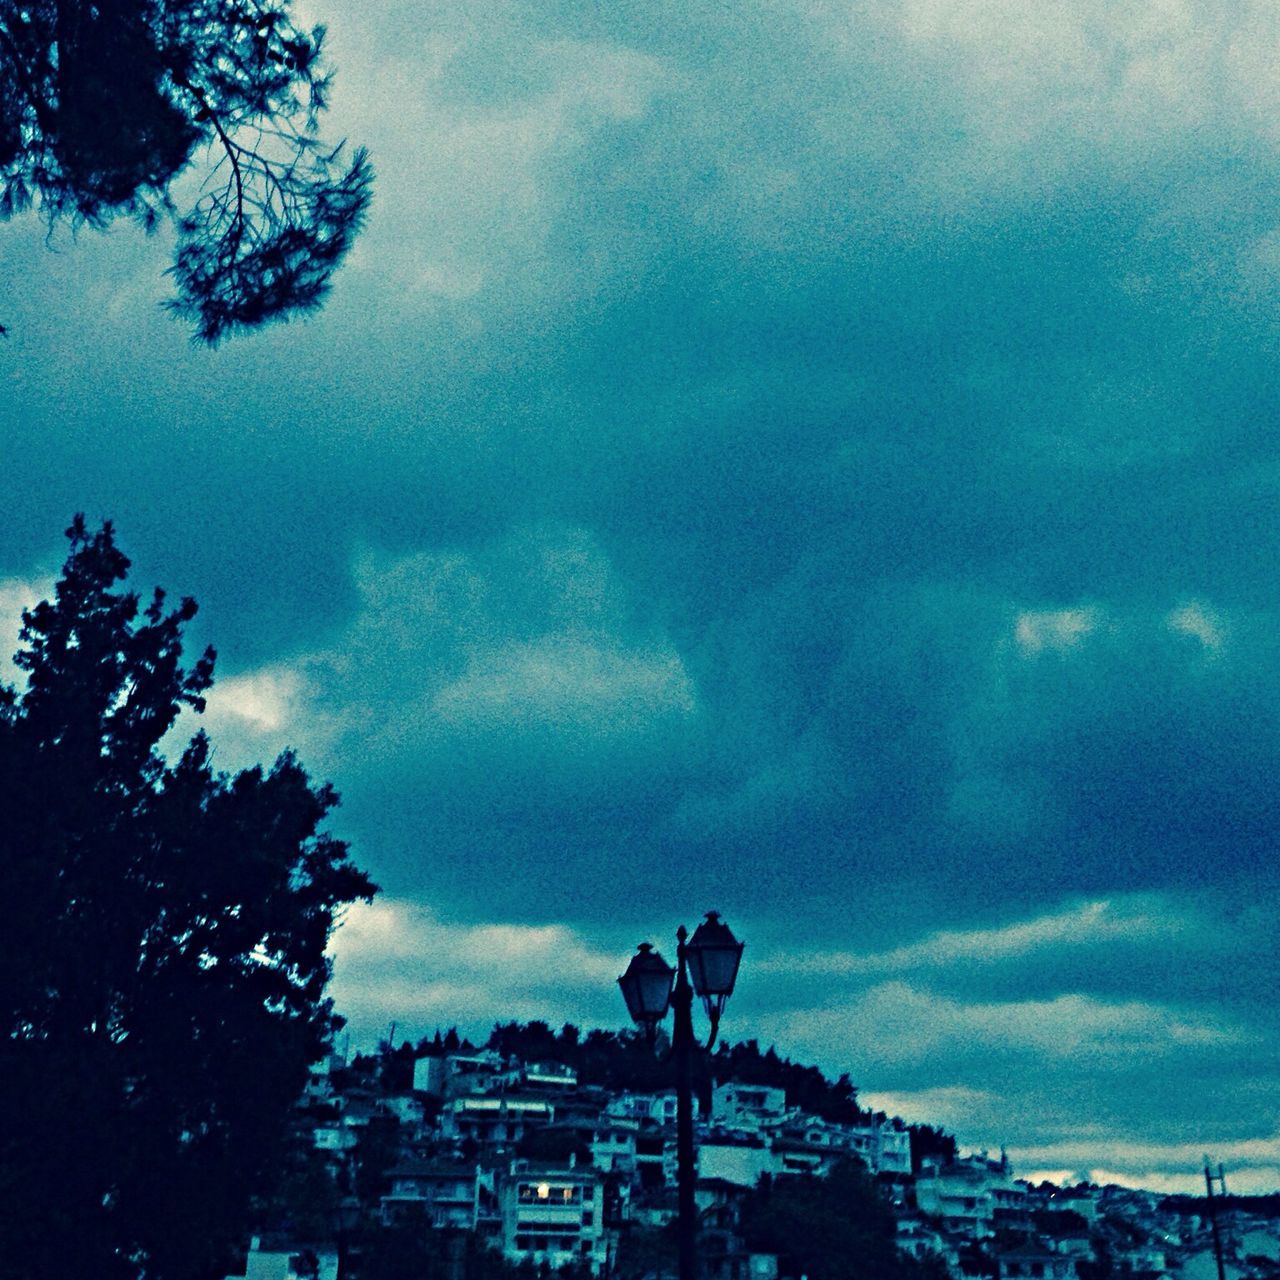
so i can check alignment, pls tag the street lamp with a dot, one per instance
(707, 964)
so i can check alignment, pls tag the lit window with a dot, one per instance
(544, 1191)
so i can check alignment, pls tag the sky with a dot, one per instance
(809, 460)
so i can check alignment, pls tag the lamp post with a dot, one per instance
(346, 1217)
(707, 964)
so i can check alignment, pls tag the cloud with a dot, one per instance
(476, 125)
(534, 634)
(17, 594)
(1254, 1163)
(567, 682)
(1053, 629)
(1123, 77)
(901, 1025)
(1092, 925)
(262, 702)
(396, 959)
(1200, 622)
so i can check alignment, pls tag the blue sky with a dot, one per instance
(810, 460)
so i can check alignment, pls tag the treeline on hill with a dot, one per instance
(1267, 1206)
(838, 1227)
(624, 1060)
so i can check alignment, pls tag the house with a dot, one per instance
(747, 1106)
(454, 1074)
(1031, 1263)
(916, 1237)
(270, 1259)
(961, 1194)
(450, 1193)
(740, 1162)
(553, 1215)
(613, 1144)
(494, 1120)
(658, 1108)
(550, 1076)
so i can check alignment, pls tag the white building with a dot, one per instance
(455, 1074)
(500, 1119)
(747, 1106)
(451, 1195)
(660, 1108)
(549, 1075)
(963, 1192)
(735, 1162)
(613, 1144)
(553, 1215)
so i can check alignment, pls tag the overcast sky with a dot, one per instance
(814, 460)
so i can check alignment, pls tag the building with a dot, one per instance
(452, 1195)
(962, 1194)
(553, 1216)
(747, 1106)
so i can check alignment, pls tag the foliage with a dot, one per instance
(439, 1045)
(647, 1251)
(1262, 1206)
(626, 1060)
(553, 1145)
(395, 1067)
(104, 103)
(412, 1247)
(1101, 1266)
(377, 1151)
(806, 1087)
(836, 1227)
(1059, 1223)
(162, 976)
(301, 1200)
(929, 1142)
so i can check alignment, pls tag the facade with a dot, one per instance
(740, 1163)
(613, 1144)
(963, 1194)
(747, 1106)
(553, 1216)
(456, 1074)
(450, 1194)
(497, 1119)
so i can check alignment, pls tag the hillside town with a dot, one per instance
(522, 1160)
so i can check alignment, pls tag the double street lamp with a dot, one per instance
(707, 964)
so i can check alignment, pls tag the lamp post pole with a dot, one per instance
(682, 1044)
(706, 964)
(346, 1218)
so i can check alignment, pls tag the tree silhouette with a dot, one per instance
(163, 968)
(837, 1227)
(103, 103)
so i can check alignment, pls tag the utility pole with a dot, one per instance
(1209, 1179)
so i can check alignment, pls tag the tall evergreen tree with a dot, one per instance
(163, 966)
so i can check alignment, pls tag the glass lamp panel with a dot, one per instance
(646, 985)
(713, 954)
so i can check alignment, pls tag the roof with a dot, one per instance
(431, 1169)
